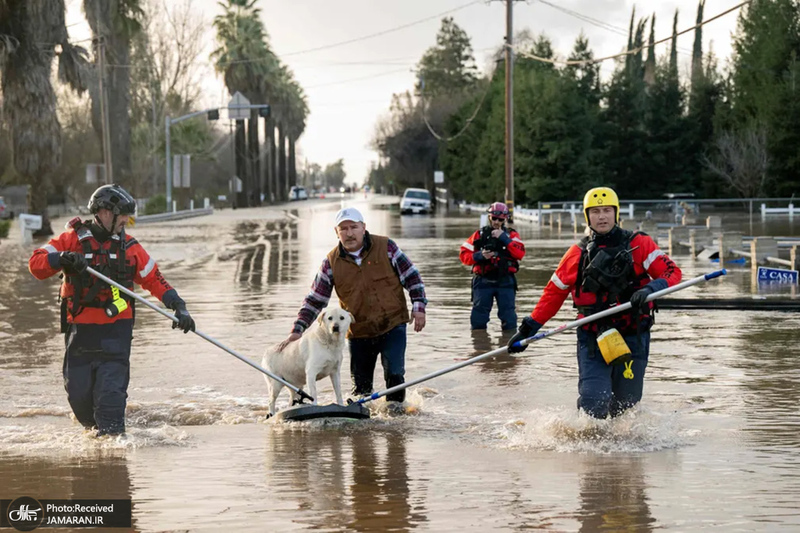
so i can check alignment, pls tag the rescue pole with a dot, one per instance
(570, 325)
(212, 340)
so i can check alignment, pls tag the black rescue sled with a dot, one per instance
(302, 412)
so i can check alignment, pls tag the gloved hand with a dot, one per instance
(185, 320)
(638, 299)
(72, 263)
(528, 328)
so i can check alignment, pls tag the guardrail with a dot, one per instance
(175, 215)
(778, 210)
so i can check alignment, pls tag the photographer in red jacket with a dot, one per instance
(494, 253)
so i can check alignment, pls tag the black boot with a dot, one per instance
(392, 381)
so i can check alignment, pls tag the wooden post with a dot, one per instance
(793, 257)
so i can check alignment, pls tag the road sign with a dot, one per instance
(235, 112)
(769, 276)
(31, 222)
(438, 176)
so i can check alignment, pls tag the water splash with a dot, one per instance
(75, 441)
(567, 430)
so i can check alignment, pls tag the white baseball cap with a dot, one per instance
(349, 213)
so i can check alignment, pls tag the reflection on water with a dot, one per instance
(613, 496)
(101, 475)
(362, 475)
(720, 401)
(502, 365)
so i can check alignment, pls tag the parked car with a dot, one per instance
(5, 212)
(415, 201)
(298, 193)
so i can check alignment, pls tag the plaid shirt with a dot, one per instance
(323, 284)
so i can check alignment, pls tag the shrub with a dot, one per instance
(156, 204)
(4, 226)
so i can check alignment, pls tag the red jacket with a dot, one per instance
(473, 257)
(648, 261)
(44, 264)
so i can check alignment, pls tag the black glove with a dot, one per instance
(527, 329)
(185, 320)
(638, 299)
(72, 263)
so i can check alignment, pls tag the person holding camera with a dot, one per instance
(97, 320)
(494, 253)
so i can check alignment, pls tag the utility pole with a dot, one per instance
(510, 106)
(104, 111)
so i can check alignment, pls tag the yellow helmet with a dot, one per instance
(600, 196)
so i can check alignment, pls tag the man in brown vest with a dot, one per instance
(369, 273)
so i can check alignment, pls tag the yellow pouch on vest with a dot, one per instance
(117, 304)
(613, 347)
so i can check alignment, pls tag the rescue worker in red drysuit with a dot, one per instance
(609, 266)
(98, 323)
(494, 253)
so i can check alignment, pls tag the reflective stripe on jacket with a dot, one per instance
(481, 266)
(647, 259)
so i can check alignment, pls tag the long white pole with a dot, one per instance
(213, 341)
(570, 325)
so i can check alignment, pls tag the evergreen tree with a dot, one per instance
(765, 93)
(449, 66)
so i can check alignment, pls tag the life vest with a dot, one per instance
(502, 264)
(108, 258)
(606, 277)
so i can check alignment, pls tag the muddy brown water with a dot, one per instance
(497, 445)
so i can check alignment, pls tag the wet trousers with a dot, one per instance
(364, 355)
(602, 388)
(484, 292)
(96, 373)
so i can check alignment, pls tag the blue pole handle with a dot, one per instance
(716, 274)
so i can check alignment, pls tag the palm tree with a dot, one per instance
(290, 112)
(31, 32)
(114, 23)
(245, 61)
(295, 124)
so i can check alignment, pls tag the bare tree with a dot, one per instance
(165, 81)
(741, 160)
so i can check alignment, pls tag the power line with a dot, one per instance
(384, 32)
(469, 120)
(632, 51)
(358, 79)
(355, 40)
(595, 22)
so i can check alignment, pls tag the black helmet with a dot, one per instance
(114, 198)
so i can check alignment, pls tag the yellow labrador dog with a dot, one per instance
(317, 354)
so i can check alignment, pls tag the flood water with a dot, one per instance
(498, 445)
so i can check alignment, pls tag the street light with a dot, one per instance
(213, 114)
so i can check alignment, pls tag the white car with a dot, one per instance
(298, 193)
(415, 201)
